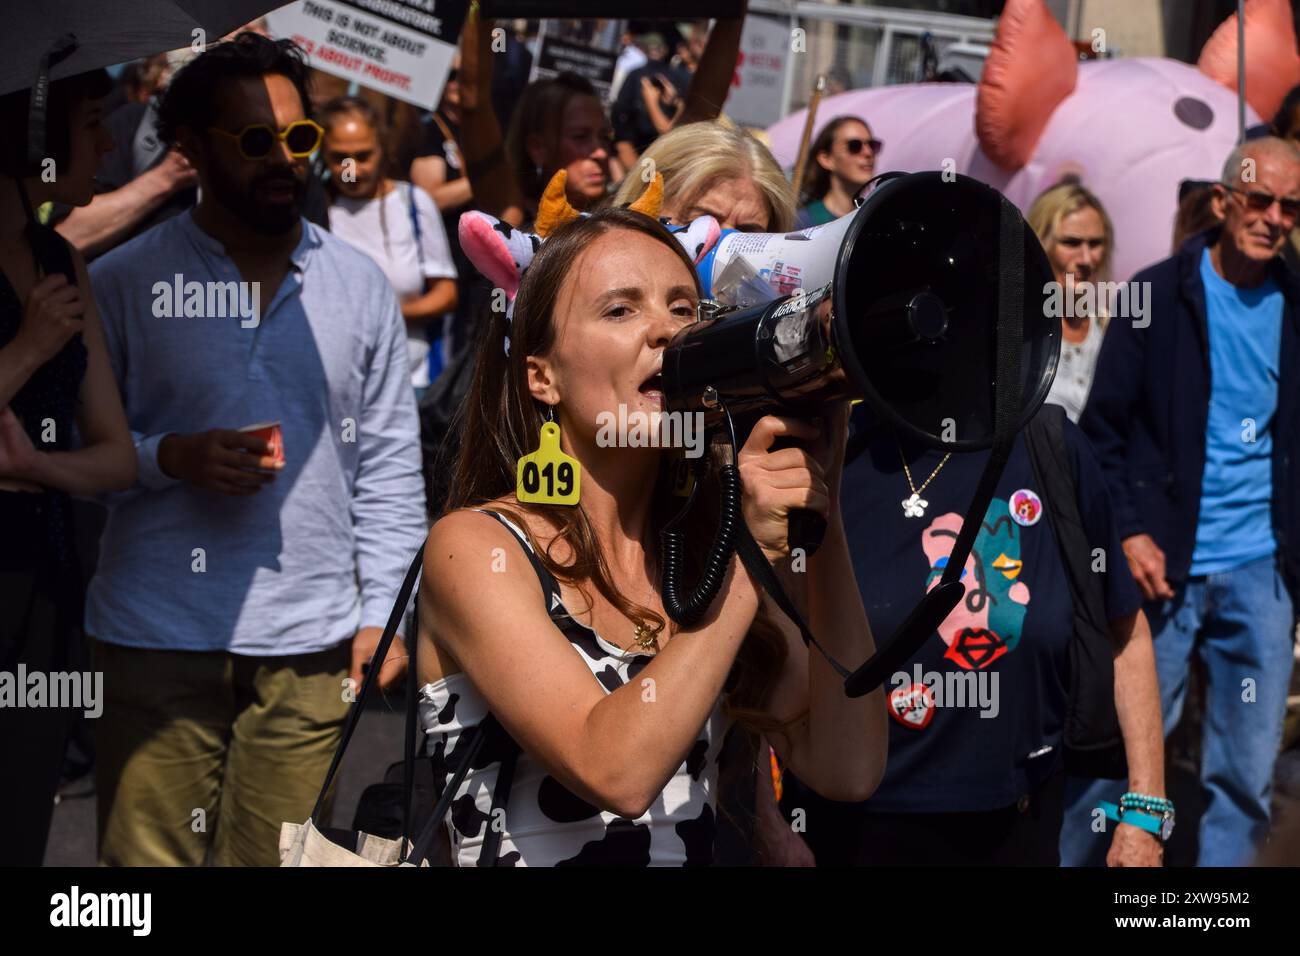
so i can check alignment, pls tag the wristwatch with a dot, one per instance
(1161, 824)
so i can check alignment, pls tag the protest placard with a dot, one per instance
(403, 48)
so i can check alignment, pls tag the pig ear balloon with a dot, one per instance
(1030, 69)
(1132, 128)
(1272, 64)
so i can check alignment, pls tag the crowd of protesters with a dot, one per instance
(266, 475)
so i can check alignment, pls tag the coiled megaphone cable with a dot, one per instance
(688, 608)
(732, 535)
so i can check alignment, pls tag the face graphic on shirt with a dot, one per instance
(988, 620)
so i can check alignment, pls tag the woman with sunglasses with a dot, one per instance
(1078, 237)
(393, 222)
(841, 162)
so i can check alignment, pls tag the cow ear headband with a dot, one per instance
(503, 253)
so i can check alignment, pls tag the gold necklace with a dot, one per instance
(914, 506)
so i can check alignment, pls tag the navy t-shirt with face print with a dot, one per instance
(976, 715)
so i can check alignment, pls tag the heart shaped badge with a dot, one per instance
(913, 706)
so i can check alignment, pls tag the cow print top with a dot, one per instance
(546, 824)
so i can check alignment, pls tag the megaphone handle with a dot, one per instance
(805, 528)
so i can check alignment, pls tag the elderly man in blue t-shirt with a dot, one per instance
(1196, 421)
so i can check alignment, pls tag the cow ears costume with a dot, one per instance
(503, 253)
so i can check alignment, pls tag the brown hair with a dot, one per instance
(539, 112)
(63, 97)
(1195, 215)
(333, 111)
(816, 177)
(504, 420)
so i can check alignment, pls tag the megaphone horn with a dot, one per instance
(895, 303)
(924, 302)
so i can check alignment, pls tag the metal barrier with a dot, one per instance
(862, 45)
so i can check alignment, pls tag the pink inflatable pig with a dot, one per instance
(1131, 129)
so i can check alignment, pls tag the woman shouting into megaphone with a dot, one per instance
(540, 614)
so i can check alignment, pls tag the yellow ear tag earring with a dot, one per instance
(548, 476)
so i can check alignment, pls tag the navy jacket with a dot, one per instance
(1149, 407)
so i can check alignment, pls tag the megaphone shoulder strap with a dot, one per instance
(940, 600)
(752, 555)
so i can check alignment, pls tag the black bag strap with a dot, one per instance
(1092, 737)
(372, 678)
(476, 737)
(1050, 459)
(418, 849)
(408, 740)
(500, 797)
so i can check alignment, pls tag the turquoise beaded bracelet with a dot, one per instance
(1146, 802)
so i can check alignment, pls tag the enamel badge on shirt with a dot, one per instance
(912, 706)
(1026, 507)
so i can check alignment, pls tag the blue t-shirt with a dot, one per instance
(1245, 328)
(1002, 652)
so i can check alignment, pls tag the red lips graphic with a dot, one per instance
(975, 648)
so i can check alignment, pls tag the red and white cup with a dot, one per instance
(271, 434)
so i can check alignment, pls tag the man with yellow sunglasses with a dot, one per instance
(244, 585)
(255, 141)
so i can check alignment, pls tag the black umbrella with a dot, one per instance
(105, 32)
(44, 40)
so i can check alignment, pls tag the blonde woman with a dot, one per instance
(715, 169)
(1078, 237)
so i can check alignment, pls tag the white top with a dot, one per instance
(632, 58)
(546, 824)
(1074, 374)
(382, 228)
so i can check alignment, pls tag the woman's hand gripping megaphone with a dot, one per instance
(788, 464)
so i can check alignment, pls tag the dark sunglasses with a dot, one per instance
(1258, 201)
(256, 140)
(854, 146)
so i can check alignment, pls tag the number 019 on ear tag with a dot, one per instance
(548, 476)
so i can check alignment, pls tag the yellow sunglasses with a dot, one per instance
(256, 140)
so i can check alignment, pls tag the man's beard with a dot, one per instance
(269, 219)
